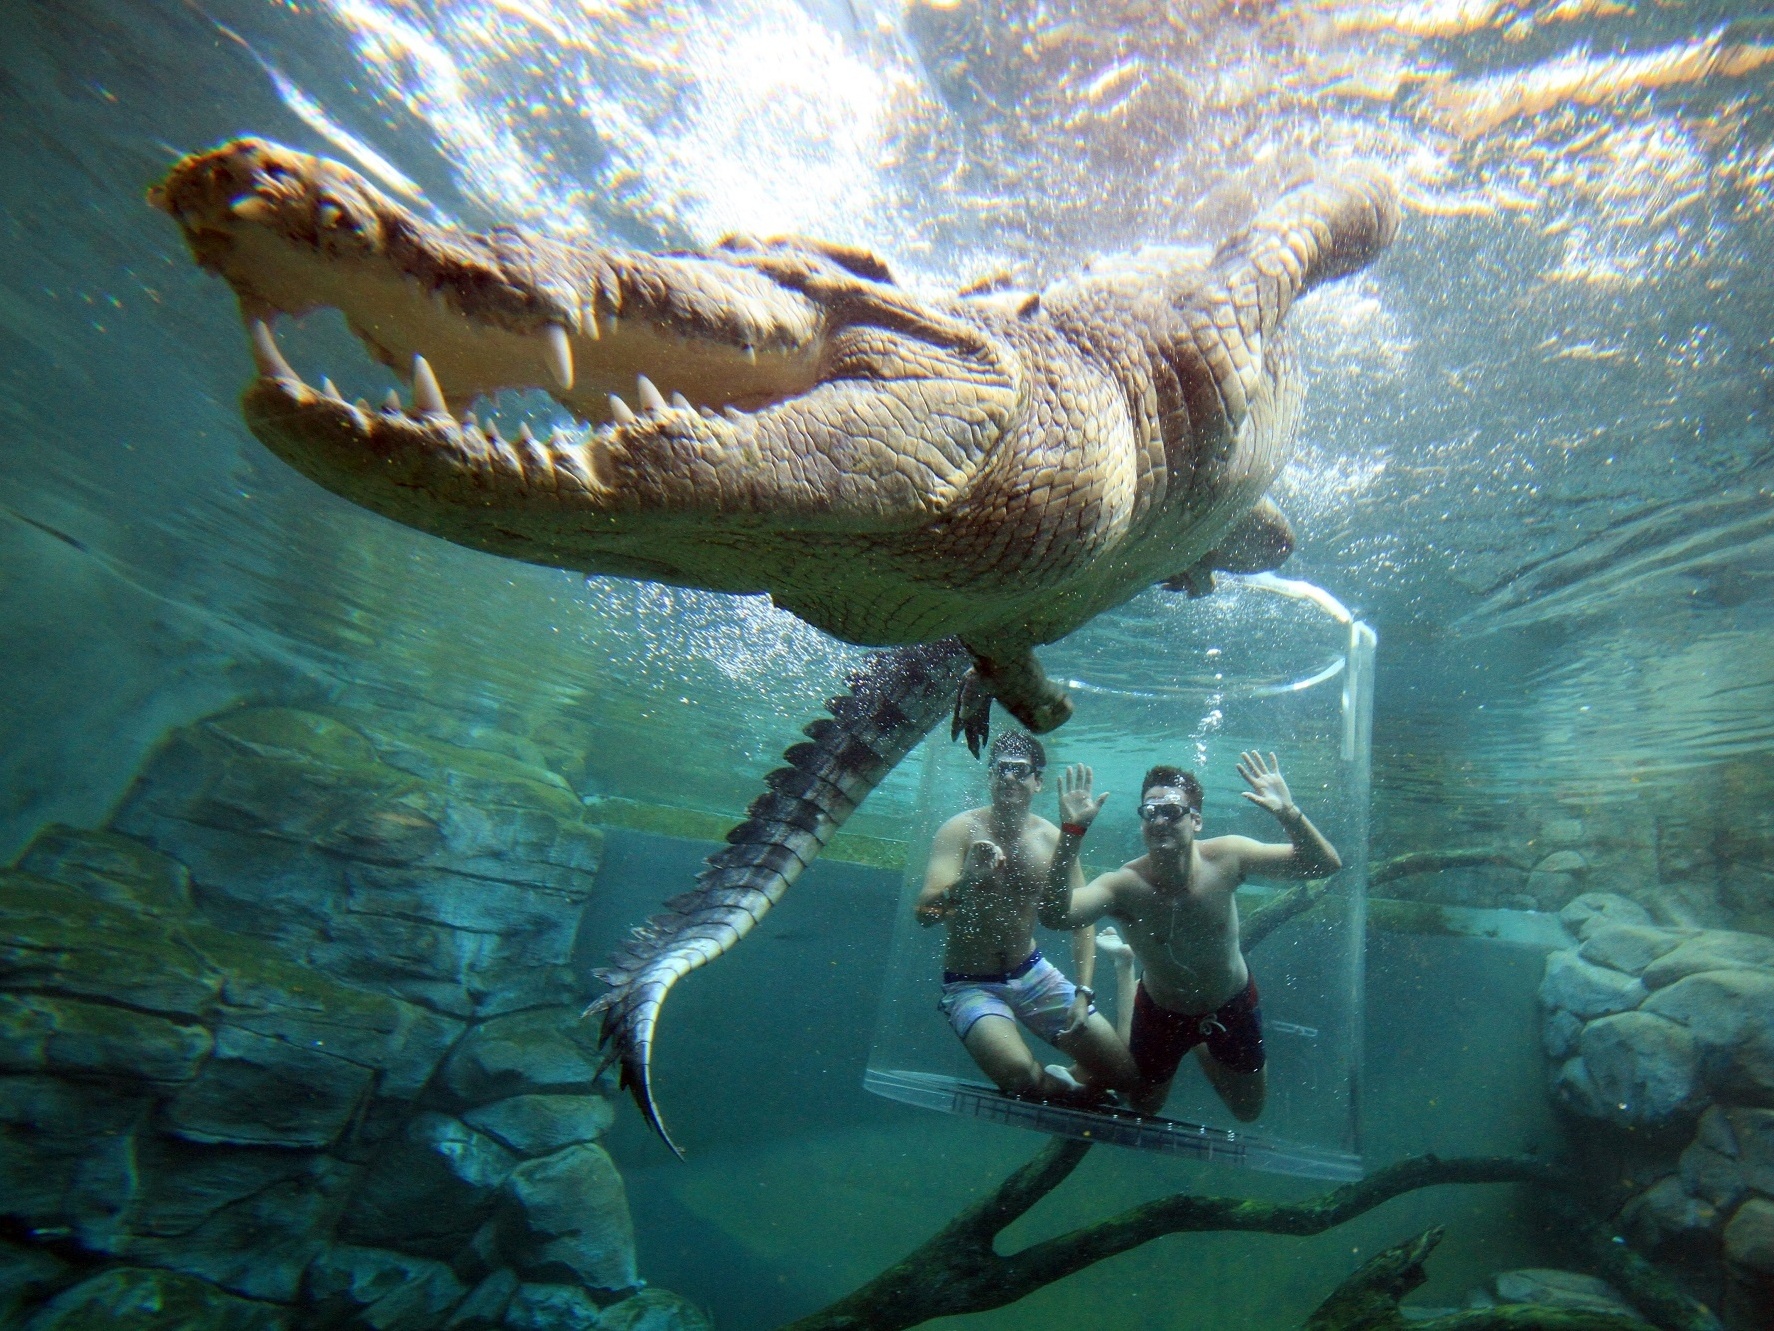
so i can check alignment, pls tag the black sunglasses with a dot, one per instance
(1167, 811)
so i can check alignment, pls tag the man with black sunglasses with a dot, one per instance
(987, 870)
(1177, 907)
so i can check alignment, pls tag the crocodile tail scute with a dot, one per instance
(895, 698)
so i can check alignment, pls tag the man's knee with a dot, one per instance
(1018, 1078)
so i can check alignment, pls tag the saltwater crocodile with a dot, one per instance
(961, 477)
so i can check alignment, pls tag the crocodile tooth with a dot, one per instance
(331, 389)
(732, 413)
(525, 434)
(680, 403)
(588, 316)
(363, 405)
(428, 398)
(649, 395)
(623, 413)
(471, 421)
(557, 354)
(392, 402)
(270, 360)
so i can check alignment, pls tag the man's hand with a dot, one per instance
(1113, 946)
(1267, 789)
(1076, 1015)
(984, 859)
(1075, 803)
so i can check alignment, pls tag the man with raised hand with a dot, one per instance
(1176, 905)
(988, 868)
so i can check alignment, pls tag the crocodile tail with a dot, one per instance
(1224, 350)
(1315, 233)
(895, 698)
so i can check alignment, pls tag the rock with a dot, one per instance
(1749, 1237)
(1562, 831)
(1559, 1034)
(1560, 1289)
(27, 1277)
(1628, 947)
(485, 1307)
(1644, 1068)
(539, 1124)
(1573, 985)
(454, 880)
(1573, 1087)
(259, 1091)
(1556, 879)
(67, 1156)
(179, 1186)
(292, 1004)
(56, 939)
(1715, 1132)
(1712, 950)
(379, 1289)
(1720, 1008)
(1593, 909)
(258, 1245)
(565, 1217)
(525, 1053)
(539, 1307)
(655, 1310)
(75, 1038)
(133, 1299)
(1716, 1178)
(105, 866)
(429, 1190)
(1753, 1132)
(1664, 1214)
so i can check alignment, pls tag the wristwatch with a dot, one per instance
(1087, 991)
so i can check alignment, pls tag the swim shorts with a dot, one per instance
(1233, 1033)
(1036, 993)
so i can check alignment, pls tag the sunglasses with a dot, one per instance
(1013, 769)
(1165, 812)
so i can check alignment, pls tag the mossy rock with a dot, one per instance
(109, 867)
(287, 733)
(57, 937)
(140, 1299)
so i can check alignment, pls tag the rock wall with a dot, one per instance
(293, 1044)
(1662, 1040)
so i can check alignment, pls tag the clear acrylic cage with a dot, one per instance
(1265, 664)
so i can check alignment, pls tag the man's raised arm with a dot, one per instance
(958, 861)
(1065, 902)
(1308, 854)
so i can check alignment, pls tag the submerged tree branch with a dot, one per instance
(1368, 1301)
(959, 1270)
(1258, 923)
(1434, 861)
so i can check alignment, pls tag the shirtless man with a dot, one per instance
(987, 870)
(1176, 905)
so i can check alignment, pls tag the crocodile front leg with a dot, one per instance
(1019, 682)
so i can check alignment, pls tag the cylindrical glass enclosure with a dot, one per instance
(1266, 664)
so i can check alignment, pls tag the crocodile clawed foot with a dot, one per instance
(973, 713)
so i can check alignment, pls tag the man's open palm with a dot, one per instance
(1266, 786)
(1075, 803)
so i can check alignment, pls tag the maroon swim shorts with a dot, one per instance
(1233, 1033)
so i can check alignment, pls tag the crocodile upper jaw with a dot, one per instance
(293, 233)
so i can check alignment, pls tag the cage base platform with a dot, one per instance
(1111, 1125)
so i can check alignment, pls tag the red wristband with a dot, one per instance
(1074, 829)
